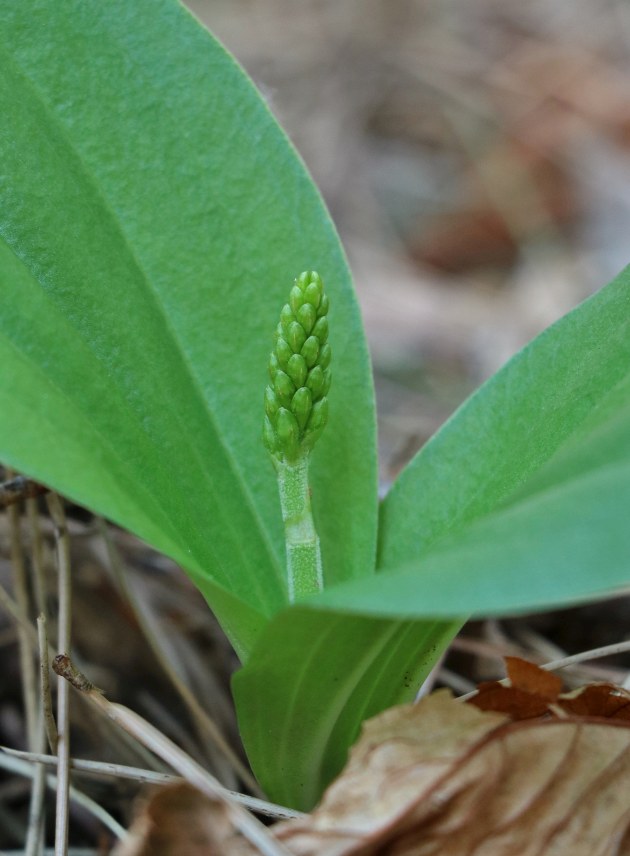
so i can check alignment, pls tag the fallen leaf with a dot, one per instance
(442, 778)
(517, 704)
(530, 692)
(530, 678)
(178, 820)
(533, 692)
(604, 700)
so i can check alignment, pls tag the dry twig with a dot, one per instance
(149, 777)
(205, 724)
(62, 541)
(158, 743)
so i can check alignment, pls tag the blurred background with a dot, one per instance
(474, 155)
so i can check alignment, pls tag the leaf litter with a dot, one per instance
(521, 769)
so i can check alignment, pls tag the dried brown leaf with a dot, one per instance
(534, 692)
(517, 704)
(178, 820)
(529, 694)
(602, 700)
(445, 778)
(532, 679)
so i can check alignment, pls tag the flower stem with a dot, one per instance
(304, 562)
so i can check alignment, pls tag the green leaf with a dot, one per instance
(565, 545)
(511, 427)
(561, 539)
(312, 679)
(152, 217)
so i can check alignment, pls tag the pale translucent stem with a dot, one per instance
(304, 561)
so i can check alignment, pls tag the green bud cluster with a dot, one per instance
(296, 406)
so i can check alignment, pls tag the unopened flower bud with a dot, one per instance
(296, 407)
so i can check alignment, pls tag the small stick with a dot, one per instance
(18, 488)
(55, 506)
(46, 727)
(33, 844)
(584, 656)
(49, 718)
(164, 748)
(149, 777)
(485, 649)
(36, 818)
(27, 665)
(25, 768)
(37, 557)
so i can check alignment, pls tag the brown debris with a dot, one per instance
(530, 678)
(603, 700)
(536, 692)
(530, 693)
(178, 820)
(438, 778)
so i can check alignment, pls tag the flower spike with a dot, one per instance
(295, 401)
(296, 411)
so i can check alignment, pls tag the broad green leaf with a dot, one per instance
(511, 427)
(312, 679)
(562, 537)
(561, 546)
(153, 216)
